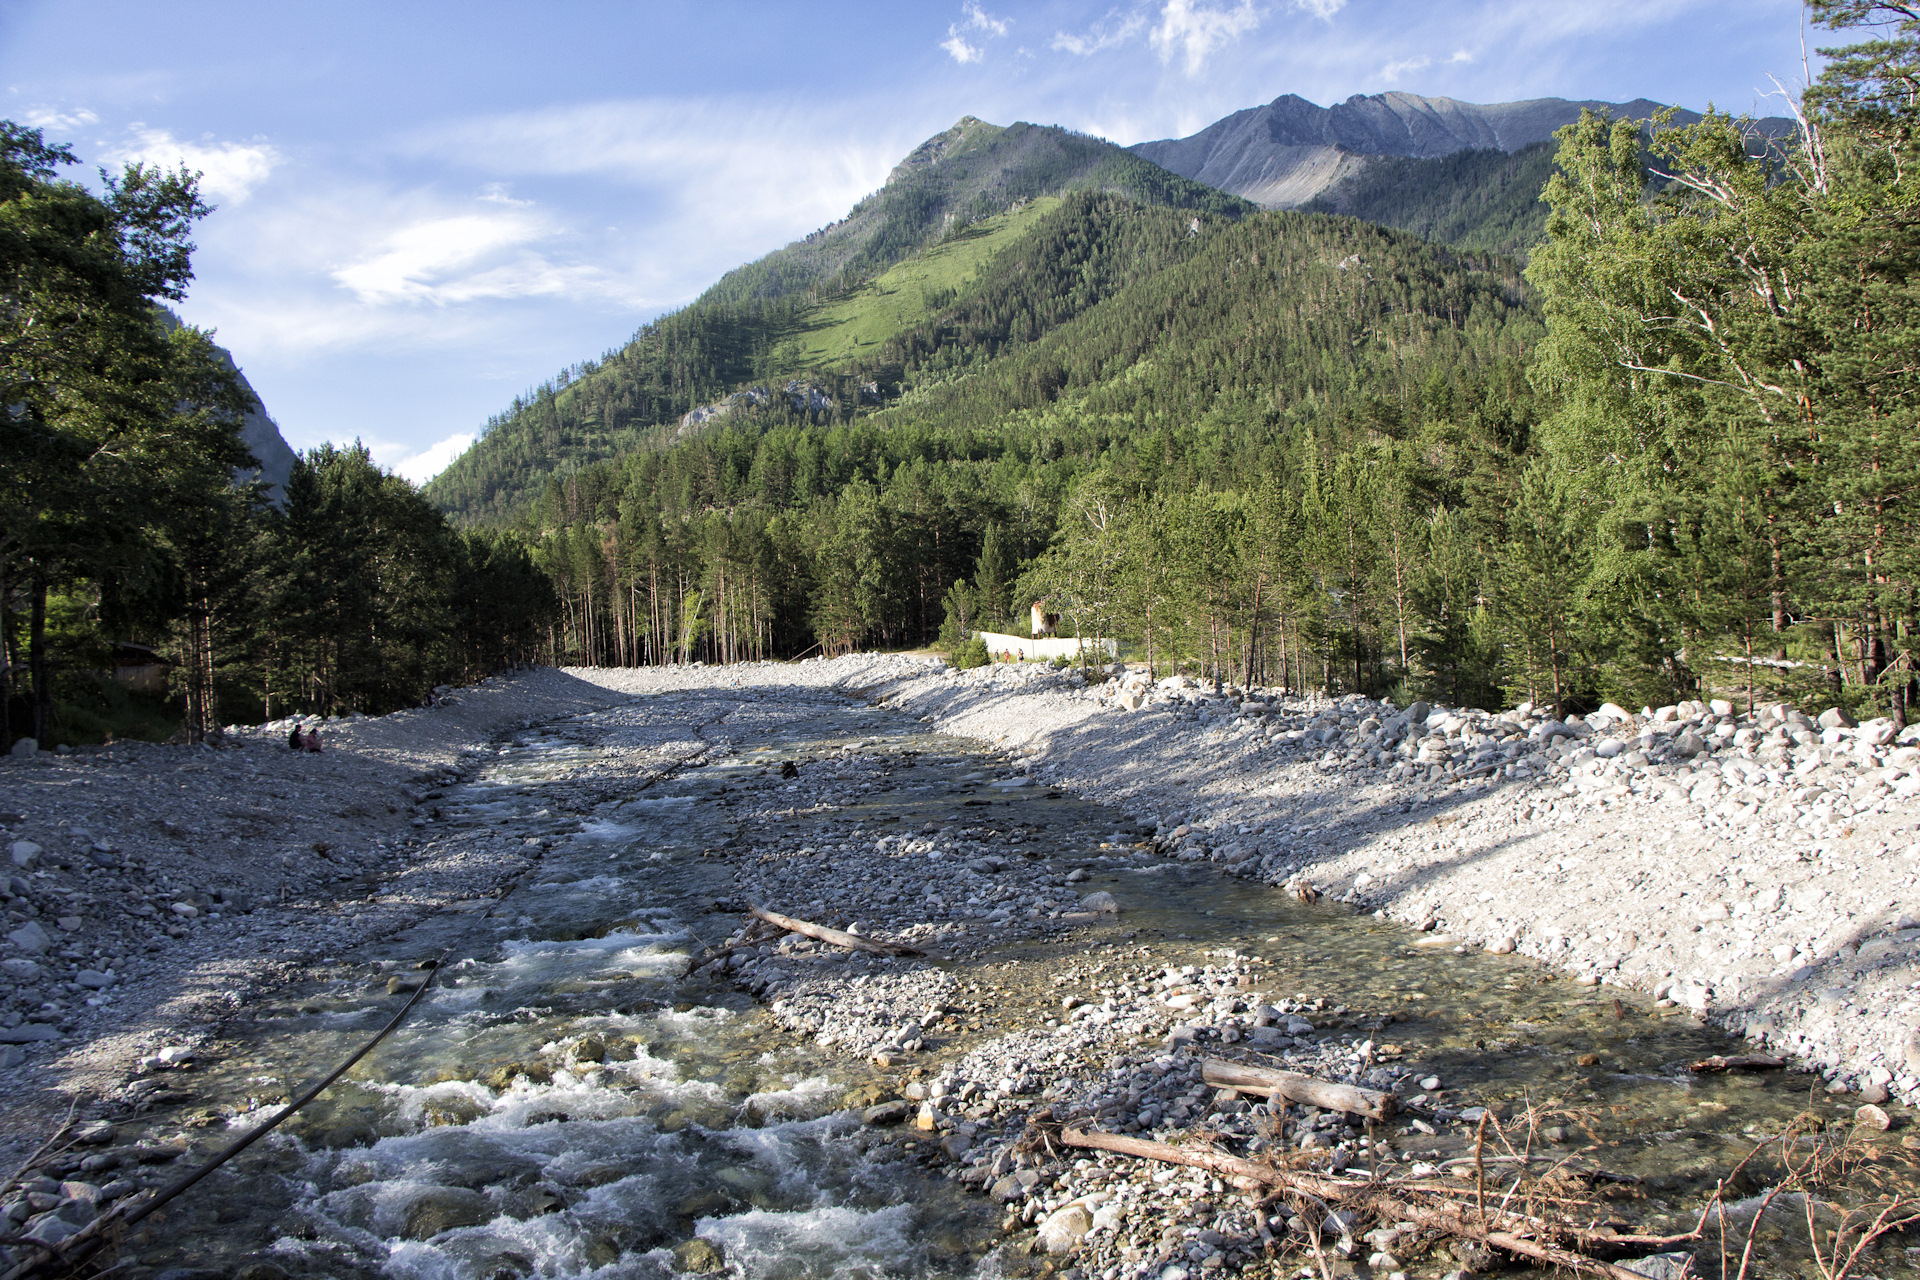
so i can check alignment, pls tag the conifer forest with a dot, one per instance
(1649, 437)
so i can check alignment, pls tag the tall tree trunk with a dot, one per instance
(37, 660)
(6, 668)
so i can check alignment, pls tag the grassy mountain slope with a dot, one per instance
(1485, 200)
(832, 335)
(964, 194)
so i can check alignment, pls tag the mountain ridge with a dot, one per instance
(750, 325)
(1286, 153)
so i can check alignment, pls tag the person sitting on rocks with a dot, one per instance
(311, 742)
(294, 741)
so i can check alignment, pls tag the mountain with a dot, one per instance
(1484, 199)
(262, 436)
(1183, 362)
(257, 430)
(968, 172)
(822, 305)
(1290, 151)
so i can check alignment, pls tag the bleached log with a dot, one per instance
(1294, 1087)
(833, 937)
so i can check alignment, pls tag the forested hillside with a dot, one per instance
(744, 328)
(1306, 449)
(1488, 200)
(1112, 347)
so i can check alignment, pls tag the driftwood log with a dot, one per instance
(1294, 1087)
(1453, 1220)
(833, 937)
(1737, 1062)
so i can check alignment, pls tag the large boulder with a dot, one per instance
(1065, 1228)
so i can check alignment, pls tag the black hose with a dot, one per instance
(77, 1248)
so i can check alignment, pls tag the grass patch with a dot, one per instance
(835, 334)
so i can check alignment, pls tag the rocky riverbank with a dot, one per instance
(1759, 869)
(152, 890)
(159, 891)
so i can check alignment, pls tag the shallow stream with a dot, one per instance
(567, 1102)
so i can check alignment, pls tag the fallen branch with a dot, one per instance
(833, 937)
(751, 937)
(1737, 1062)
(1294, 1087)
(1450, 1220)
(45, 1147)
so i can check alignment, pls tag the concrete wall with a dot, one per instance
(1028, 650)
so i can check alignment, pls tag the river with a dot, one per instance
(568, 1101)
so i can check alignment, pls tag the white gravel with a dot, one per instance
(1760, 870)
(1766, 882)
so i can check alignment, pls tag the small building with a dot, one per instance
(140, 668)
(1043, 622)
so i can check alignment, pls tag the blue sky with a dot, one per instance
(426, 208)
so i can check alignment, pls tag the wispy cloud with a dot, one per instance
(1110, 32)
(975, 21)
(337, 262)
(55, 118)
(1193, 30)
(463, 258)
(230, 171)
(1321, 9)
(1392, 72)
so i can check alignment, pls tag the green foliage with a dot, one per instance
(121, 517)
(1731, 353)
(970, 654)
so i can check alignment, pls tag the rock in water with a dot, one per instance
(700, 1257)
(24, 748)
(1103, 902)
(440, 1209)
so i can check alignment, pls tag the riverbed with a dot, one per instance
(568, 1099)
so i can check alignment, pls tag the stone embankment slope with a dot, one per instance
(150, 889)
(1759, 869)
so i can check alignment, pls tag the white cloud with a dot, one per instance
(53, 118)
(497, 193)
(973, 18)
(1394, 70)
(429, 462)
(229, 170)
(1194, 30)
(462, 258)
(1102, 35)
(735, 177)
(1321, 9)
(978, 19)
(961, 51)
(1459, 56)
